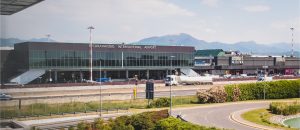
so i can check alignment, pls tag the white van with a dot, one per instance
(171, 80)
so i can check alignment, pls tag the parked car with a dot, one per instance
(263, 78)
(244, 75)
(260, 78)
(227, 76)
(103, 79)
(234, 76)
(4, 96)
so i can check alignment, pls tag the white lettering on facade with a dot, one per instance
(148, 47)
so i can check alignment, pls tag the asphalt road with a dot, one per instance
(218, 115)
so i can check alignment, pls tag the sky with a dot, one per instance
(115, 21)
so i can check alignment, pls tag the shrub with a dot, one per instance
(285, 108)
(273, 90)
(142, 121)
(236, 94)
(121, 123)
(155, 120)
(167, 124)
(160, 102)
(71, 128)
(84, 126)
(99, 124)
(172, 123)
(213, 95)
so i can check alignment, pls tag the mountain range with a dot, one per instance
(9, 42)
(184, 39)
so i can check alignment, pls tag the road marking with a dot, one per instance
(256, 126)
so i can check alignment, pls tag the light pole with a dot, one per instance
(170, 114)
(91, 53)
(100, 92)
(292, 29)
(50, 77)
(48, 37)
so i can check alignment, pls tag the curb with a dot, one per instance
(256, 126)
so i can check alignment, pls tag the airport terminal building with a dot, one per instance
(219, 62)
(50, 62)
(70, 62)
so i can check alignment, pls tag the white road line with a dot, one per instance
(232, 117)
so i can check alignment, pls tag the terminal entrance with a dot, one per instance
(54, 76)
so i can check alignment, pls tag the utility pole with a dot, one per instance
(91, 53)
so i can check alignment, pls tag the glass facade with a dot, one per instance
(74, 59)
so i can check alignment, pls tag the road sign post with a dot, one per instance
(149, 91)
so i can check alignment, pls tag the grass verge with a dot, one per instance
(261, 117)
(41, 109)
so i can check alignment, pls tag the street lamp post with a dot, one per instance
(170, 113)
(48, 37)
(50, 77)
(292, 42)
(100, 92)
(91, 53)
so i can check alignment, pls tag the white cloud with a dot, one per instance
(129, 7)
(211, 3)
(209, 30)
(125, 20)
(257, 8)
(158, 7)
(132, 20)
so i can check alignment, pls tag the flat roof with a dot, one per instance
(209, 52)
(102, 47)
(9, 7)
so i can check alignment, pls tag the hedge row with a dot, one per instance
(273, 90)
(285, 108)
